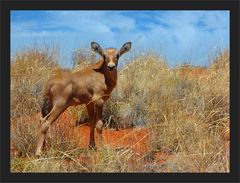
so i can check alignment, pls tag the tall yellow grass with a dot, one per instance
(186, 110)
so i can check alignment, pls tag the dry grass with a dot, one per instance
(30, 69)
(185, 109)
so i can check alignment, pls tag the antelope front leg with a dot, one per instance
(91, 114)
(99, 122)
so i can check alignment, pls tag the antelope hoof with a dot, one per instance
(41, 121)
(38, 153)
(92, 147)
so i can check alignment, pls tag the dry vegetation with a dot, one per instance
(178, 118)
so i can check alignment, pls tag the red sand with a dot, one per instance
(194, 73)
(134, 139)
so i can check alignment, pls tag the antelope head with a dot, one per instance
(111, 55)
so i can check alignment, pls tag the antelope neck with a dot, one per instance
(110, 76)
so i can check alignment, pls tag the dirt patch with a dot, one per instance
(133, 142)
(134, 138)
(193, 73)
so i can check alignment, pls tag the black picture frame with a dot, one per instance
(7, 6)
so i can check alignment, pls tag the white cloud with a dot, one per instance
(178, 35)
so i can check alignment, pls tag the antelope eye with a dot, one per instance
(117, 56)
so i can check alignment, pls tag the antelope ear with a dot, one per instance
(125, 48)
(97, 48)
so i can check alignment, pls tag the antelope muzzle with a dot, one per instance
(111, 67)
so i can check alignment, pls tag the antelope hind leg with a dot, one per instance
(46, 123)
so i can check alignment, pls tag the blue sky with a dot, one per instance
(179, 36)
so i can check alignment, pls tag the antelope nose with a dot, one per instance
(111, 66)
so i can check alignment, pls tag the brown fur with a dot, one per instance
(91, 86)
